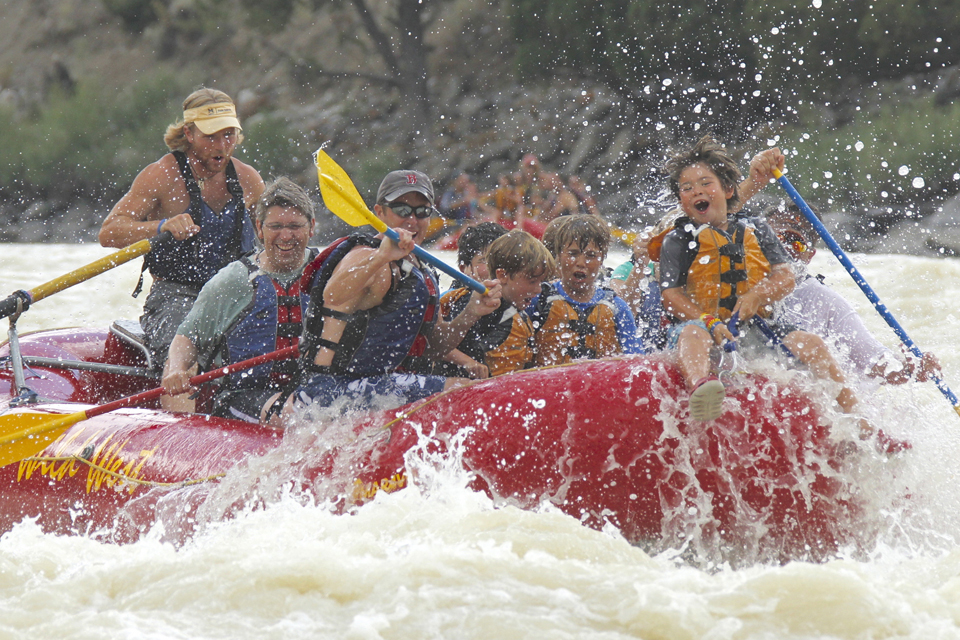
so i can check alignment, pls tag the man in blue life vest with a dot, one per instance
(201, 195)
(252, 306)
(376, 326)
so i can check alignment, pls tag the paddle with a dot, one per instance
(626, 237)
(24, 433)
(861, 282)
(21, 300)
(341, 197)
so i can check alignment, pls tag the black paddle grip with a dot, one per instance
(8, 306)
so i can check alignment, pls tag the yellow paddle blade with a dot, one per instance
(341, 196)
(626, 237)
(26, 433)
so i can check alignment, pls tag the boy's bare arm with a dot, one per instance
(761, 172)
(679, 305)
(775, 286)
(477, 370)
(447, 336)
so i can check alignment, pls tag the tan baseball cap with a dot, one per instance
(211, 118)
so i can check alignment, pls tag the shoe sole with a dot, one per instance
(706, 401)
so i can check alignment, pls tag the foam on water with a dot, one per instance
(439, 560)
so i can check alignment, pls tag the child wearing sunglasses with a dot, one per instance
(815, 307)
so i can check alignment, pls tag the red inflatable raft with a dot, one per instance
(608, 442)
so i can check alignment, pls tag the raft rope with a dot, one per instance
(437, 396)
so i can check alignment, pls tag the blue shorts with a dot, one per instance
(673, 333)
(381, 392)
(751, 339)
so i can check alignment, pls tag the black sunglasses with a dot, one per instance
(793, 238)
(405, 210)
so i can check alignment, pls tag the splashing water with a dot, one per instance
(443, 559)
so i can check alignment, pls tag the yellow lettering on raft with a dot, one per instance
(363, 491)
(56, 469)
(110, 466)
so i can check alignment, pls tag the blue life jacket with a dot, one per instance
(273, 320)
(222, 238)
(380, 340)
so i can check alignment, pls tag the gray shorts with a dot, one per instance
(241, 404)
(164, 309)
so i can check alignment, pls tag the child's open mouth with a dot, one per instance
(701, 206)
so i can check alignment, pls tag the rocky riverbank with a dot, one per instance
(483, 122)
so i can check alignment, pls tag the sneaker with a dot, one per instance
(706, 399)
(890, 446)
(884, 444)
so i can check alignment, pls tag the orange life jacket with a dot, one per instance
(566, 335)
(502, 340)
(726, 265)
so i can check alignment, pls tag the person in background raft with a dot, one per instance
(815, 307)
(374, 319)
(198, 193)
(252, 306)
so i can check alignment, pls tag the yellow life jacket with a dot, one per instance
(502, 340)
(727, 265)
(566, 334)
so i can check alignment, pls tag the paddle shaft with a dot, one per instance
(21, 300)
(36, 429)
(281, 354)
(438, 263)
(861, 281)
(765, 329)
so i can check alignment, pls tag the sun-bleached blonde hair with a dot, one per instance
(174, 138)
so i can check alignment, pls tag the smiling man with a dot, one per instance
(252, 306)
(200, 194)
(377, 319)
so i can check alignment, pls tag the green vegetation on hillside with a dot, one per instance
(93, 144)
(812, 76)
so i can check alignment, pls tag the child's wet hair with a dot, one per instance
(475, 240)
(518, 252)
(710, 152)
(580, 229)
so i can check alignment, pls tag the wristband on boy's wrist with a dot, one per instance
(160, 226)
(710, 321)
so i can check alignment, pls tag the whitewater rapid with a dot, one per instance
(438, 560)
